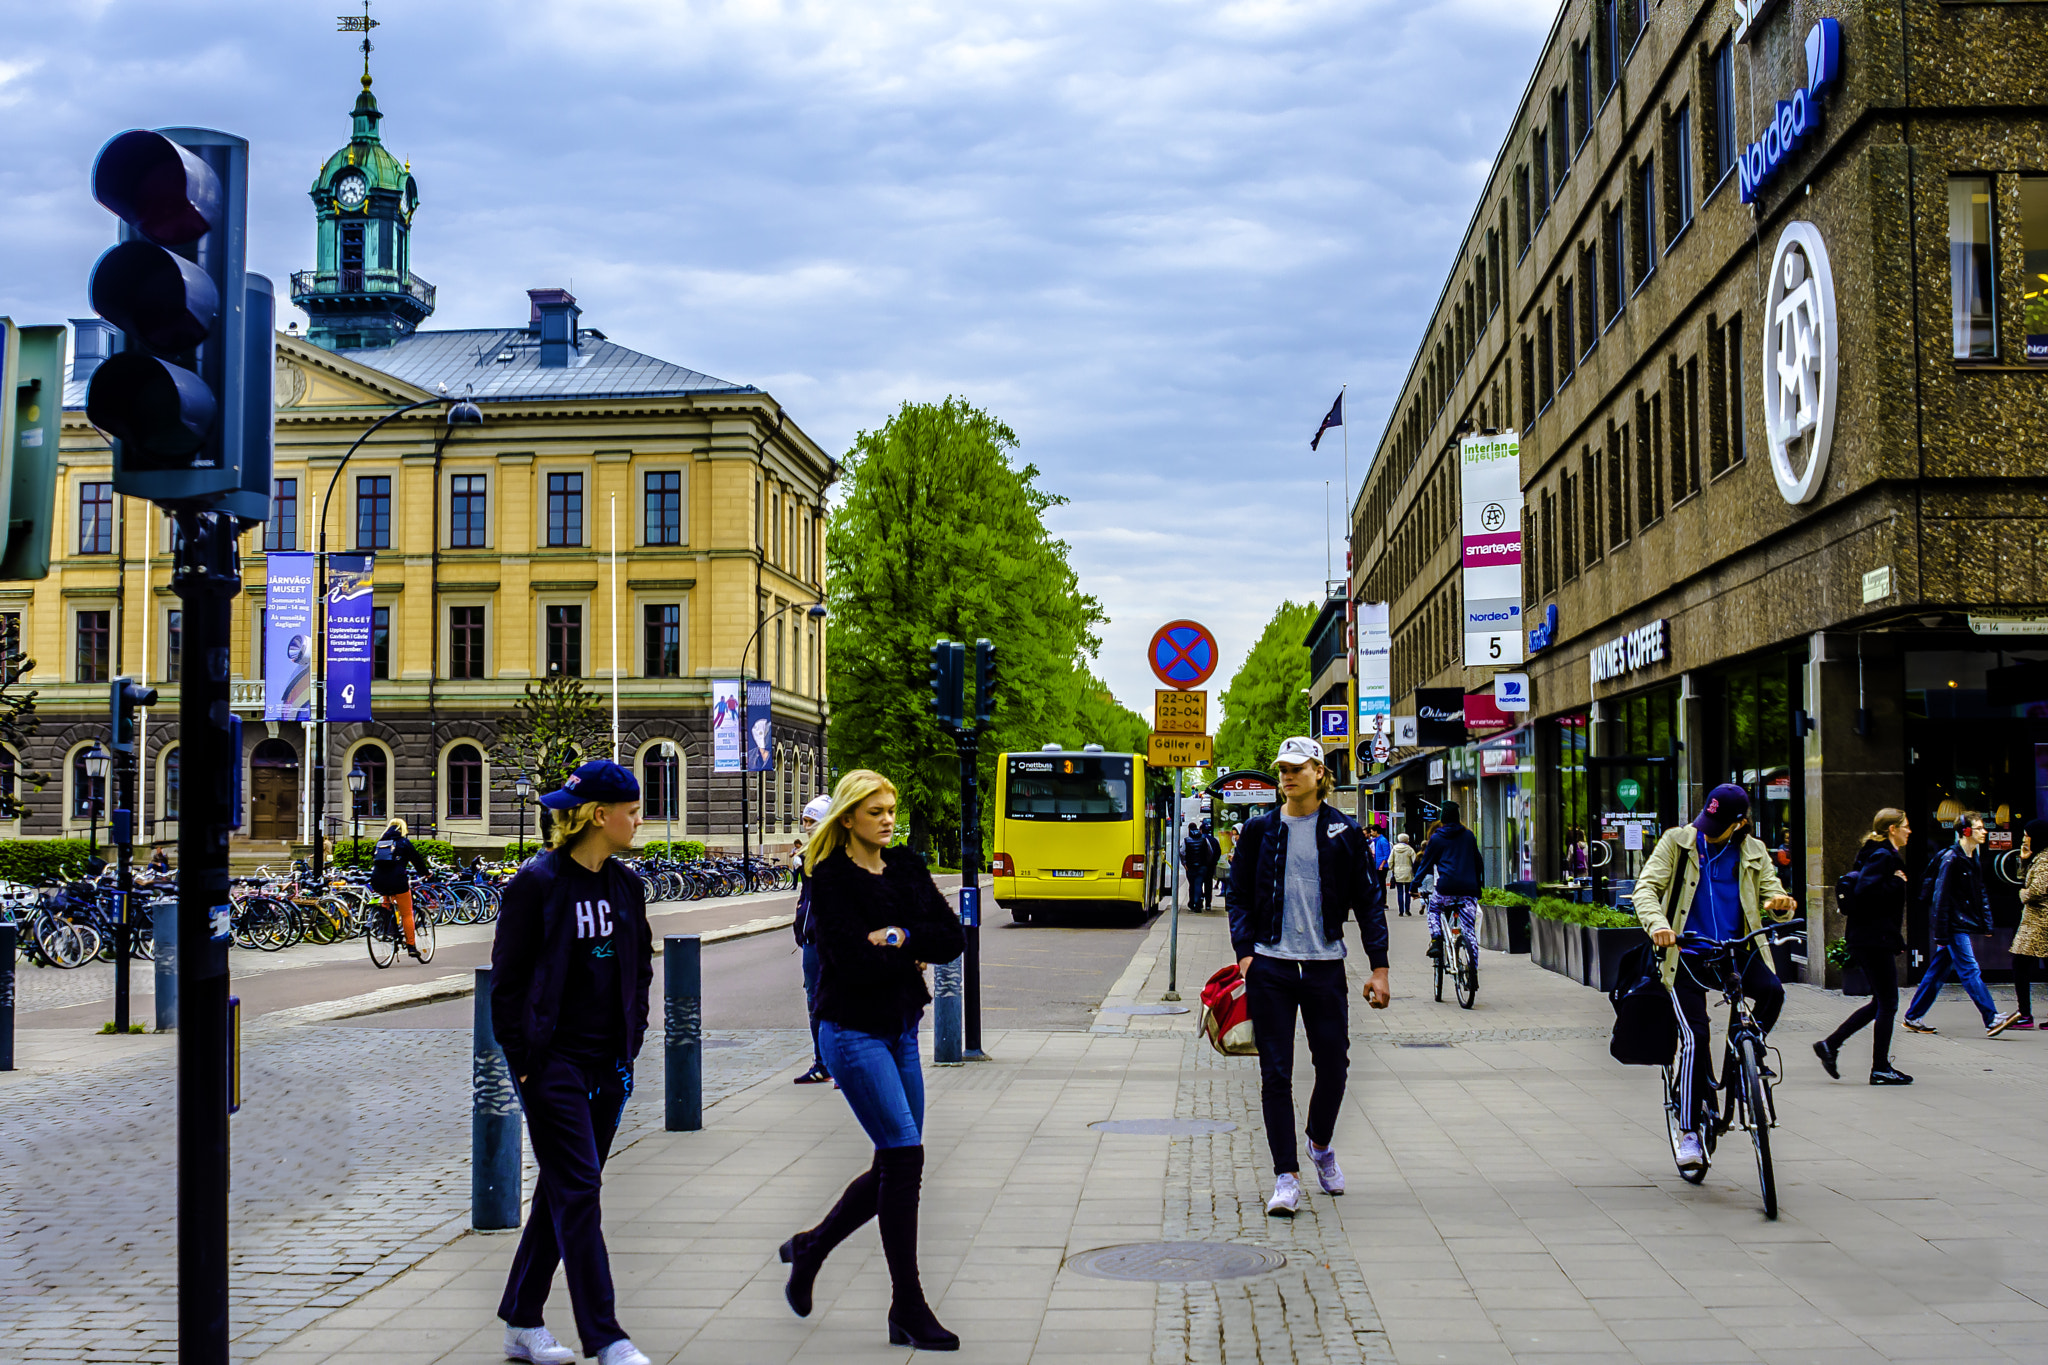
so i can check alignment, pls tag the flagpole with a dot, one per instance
(1347, 485)
(615, 625)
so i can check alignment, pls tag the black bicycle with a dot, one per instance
(1745, 1083)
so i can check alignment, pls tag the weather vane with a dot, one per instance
(349, 23)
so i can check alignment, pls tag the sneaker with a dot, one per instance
(1825, 1050)
(622, 1352)
(1286, 1197)
(536, 1344)
(1915, 1026)
(1890, 1075)
(2024, 1021)
(815, 1075)
(1328, 1173)
(1691, 1155)
(2000, 1024)
(1436, 949)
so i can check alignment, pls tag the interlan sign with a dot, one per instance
(1625, 654)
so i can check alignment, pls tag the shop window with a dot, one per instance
(1751, 742)
(1972, 310)
(1565, 741)
(2034, 265)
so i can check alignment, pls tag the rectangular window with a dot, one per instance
(1617, 485)
(1493, 263)
(1589, 299)
(174, 645)
(1610, 44)
(664, 640)
(1614, 262)
(1567, 526)
(1682, 382)
(1681, 169)
(257, 636)
(465, 783)
(2034, 265)
(10, 645)
(664, 509)
(1971, 280)
(1646, 220)
(95, 518)
(95, 645)
(1560, 140)
(466, 642)
(565, 641)
(380, 642)
(1567, 349)
(467, 529)
(1582, 92)
(1649, 477)
(565, 509)
(1722, 90)
(1546, 360)
(1521, 210)
(1528, 381)
(1738, 401)
(281, 532)
(1539, 161)
(1549, 542)
(373, 512)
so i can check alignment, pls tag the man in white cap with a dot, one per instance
(1298, 874)
(814, 811)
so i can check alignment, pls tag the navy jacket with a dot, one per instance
(530, 957)
(1952, 888)
(1877, 899)
(1350, 883)
(1453, 854)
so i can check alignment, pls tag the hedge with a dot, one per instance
(684, 850)
(1564, 911)
(39, 860)
(349, 853)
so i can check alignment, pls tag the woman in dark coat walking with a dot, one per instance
(1875, 910)
(877, 919)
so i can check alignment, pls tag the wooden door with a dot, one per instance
(274, 791)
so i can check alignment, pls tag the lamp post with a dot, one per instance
(461, 413)
(816, 611)
(358, 780)
(524, 786)
(670, 781)
(97, 761)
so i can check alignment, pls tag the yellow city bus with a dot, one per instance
(1080, 829)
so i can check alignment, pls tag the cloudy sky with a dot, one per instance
(1155, 236)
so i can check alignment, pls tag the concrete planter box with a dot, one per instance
(1587, 955)
(1504, 928)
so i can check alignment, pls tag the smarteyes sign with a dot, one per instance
(1798, 116)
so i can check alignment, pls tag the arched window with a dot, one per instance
(374, 801)
(661, 784)
(172, 759)
(465, 767)
(88, 794)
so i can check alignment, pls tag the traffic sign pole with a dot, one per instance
(1173, 923)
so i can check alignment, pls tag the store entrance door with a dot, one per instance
(1635, 799)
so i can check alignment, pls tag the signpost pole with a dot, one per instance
(1173, 924)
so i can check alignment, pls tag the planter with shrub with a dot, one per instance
(1583, 942)
(1503, 922)
(1855, 981)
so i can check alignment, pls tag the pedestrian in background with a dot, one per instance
(1299, 873)
(807, 942)
(1952, 888)
(877, 918)
(2030, 944)
(1196, 866)
(570, 968)
(389, 878)
(1453, 855)
(1401, 868)
(1875, 907)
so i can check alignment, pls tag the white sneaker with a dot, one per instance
(1328, 1173)
(1691, 1155)
(1286, 1197)
(536, 1344)
(622, 1352)
(2000, 1024)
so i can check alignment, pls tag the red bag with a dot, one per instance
(1225, 1019)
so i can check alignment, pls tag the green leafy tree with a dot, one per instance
(1099, 718)
(942, 534)
(1267, 700)
(556, 726)
(18, 724)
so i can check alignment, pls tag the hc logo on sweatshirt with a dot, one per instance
(594, 919)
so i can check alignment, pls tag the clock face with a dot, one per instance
(351, 190)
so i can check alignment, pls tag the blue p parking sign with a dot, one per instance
(1333, 722)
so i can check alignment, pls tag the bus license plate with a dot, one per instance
(1068, 872)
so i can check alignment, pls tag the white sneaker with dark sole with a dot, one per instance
(537, 1345)
(1286, 1197)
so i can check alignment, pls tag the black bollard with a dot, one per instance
(7, 932)
(164, 924)
(682, 982)
(494, 1124)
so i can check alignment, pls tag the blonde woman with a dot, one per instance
(571, 966)
(875, 916)
(389, 860)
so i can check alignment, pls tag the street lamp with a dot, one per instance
(668, 790)
(816, 612)
(97, 761)
(358, 780)
(461, 413)
(524, 786)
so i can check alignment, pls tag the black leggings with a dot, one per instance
(2025, 972)
(1883, 1006)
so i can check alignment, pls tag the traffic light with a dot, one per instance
(944, 678)
(128, 696)
(174, 397)
(31, 418)
(984, 682)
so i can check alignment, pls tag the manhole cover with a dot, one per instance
(1163, 1127)
(1144, 1009)
(1176, 1262)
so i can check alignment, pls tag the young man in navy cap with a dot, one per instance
(1727, 883)
(570, 971)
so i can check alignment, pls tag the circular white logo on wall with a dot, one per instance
(1800, 362)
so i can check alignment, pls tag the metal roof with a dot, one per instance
(504, 363)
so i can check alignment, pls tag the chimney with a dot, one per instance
(554, 317)
(92, 342)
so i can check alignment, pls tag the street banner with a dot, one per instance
(726, 715)
(351, 650)
(1375, 661)
(288, 637)
(1490, 483)
(760, 727)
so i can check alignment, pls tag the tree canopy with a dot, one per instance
(1267, 699)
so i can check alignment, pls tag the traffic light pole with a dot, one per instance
(968, 743)
(207, 577)
(123, 832)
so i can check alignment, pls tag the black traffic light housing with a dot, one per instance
(944, 677)
(984, 682)
(128, 696)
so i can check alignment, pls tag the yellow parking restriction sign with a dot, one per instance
(1180, 751)
(1180, 713)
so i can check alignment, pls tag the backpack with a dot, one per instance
(1845, 887)
(1225, 1019)
(1645, 1021)
(387, 869)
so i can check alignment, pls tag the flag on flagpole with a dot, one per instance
(1335, 419)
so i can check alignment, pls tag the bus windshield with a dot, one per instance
(1069, 787)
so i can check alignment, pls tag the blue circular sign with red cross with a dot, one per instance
(1183, 654)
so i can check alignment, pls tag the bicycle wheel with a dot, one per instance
(1465, 971)
(1674, 1127)
(382, 939)
(1443, 953)
(1756, 1108)
(423, 937)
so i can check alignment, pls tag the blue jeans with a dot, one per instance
(1961, 954)
(811, 969)
(881, 1077)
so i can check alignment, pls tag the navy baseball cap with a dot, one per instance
(598, 780)
(1726, 804)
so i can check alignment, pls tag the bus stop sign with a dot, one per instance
(1182, 654)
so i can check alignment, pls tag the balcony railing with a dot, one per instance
(245, 694)
(313, 283)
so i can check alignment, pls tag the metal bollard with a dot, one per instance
(7, 933)
(948, 1014)
(164, 919)
(682, 986)
(494, 1124)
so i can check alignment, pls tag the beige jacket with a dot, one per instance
(1401, 862)
(2032, 938)
(1677, 854)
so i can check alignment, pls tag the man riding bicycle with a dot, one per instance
(1726, 882)
(1453, 854)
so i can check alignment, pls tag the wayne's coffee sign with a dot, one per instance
(1439, 717)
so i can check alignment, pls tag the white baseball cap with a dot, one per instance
(1300, 749)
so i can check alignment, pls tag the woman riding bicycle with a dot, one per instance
(1739, 886)
(388, 877)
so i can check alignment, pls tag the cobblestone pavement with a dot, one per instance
(351, 1163)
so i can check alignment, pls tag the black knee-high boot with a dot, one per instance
(911, 1322)
(805, 1253)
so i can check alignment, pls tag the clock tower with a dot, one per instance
(363, 294)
